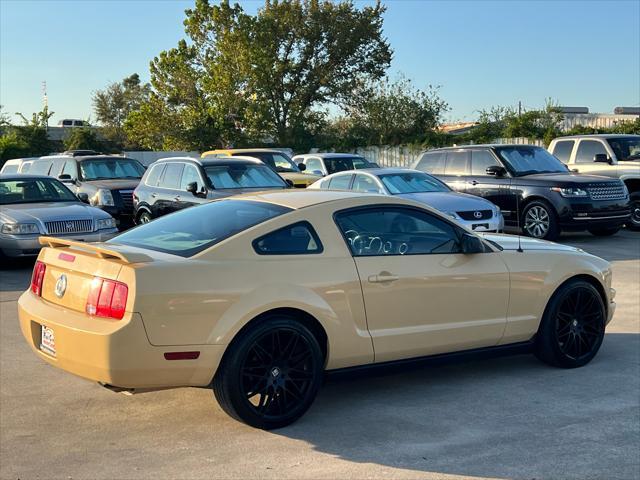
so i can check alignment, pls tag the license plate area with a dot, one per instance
(480, 225)
(47, 341)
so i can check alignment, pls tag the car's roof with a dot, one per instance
(214, 160)
(233, 151)
(329, 155)
(376, 171)
(24, 176)
(297, 199)
(483, 145)
(598, 135)
(82, 157)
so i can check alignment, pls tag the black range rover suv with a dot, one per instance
(533, 188)
(104, 181)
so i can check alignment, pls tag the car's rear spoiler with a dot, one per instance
(95, 249)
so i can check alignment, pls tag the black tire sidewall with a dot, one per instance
(227, 386)
(554, 230)
(635, 201)
(547, 347)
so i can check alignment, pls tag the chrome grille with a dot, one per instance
(606, 191)
(127, 199)
(60, 227)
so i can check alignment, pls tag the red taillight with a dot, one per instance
(38, 277)
(107, 298)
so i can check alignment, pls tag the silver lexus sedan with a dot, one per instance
(34, 205)
(473, 212)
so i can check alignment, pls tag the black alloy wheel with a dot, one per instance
(573, 326)
(271, 375)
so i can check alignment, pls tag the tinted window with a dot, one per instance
(456, 163)
(192, 230)
(525, 160)
(34, 191)
(40, 167)
(412, 182)
(342, 164)
(396, 231)
(562, 150)
(340, 182)
(190, 175)
(432, 163)
(172, 175)
(625, 148)
(296, 239)
(364, 183)
(243, 176)
(154, 174)
(277, 161)
(110, 168)
(587, 149)
(480, 160)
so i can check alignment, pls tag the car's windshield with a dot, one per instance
(34, 190)
(192, 230)
(243, 176)
(110, 168)
(528, 160)
(342, 164)
(412, 182)
(625, 148)
(278, 162)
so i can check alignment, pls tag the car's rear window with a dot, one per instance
(195, 229)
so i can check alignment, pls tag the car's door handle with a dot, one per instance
(154, 195)
(177, 198)
(473, 182)
(383, 277)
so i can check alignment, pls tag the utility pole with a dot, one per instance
(45, 104)
(519, 107)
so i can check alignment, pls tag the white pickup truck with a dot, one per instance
(610, 155)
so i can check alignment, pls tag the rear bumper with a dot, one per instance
(28, 245)
(115, 352)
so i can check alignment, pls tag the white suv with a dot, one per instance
(611, 155)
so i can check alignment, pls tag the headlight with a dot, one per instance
(570, 191)
(20, 228)
(102, 197)
(104, 223)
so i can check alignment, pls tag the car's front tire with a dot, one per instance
(539, 220)
(572, 328)
(271, 374)
(604, 232)
(144, 217)
(634, 221)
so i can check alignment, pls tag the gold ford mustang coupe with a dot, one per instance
(257, 296)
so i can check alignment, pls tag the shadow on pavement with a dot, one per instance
(507, 418)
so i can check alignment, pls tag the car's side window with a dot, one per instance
(397, 231)
(587, 149)
(70, 168)
(457, 163)
(40, 167)
(562, 150)
(364, 183)
(190, 175)
(432, 163)
(172, 175)
(297, 239)
(154, 175)
(480, 160)
(340, 182)
(314, 165)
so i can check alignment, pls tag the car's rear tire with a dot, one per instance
(572, 328)
(634, 221)
(604, 232)
(539, 220)
(271, 374)
(144, 217)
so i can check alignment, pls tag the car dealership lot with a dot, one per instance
(509, 417)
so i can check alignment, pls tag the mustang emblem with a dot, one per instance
(61, 286)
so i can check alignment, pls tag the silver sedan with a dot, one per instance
(33, 205)
(473, 212)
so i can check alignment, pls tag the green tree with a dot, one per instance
(262, 78)
(113, 105)
(83, 138)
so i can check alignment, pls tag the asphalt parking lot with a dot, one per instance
(503, 418)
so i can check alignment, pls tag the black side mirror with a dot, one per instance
(192, 188)
(83, 197)
(289, 183)
(471, 244)
(302, 167)
(602, 158)
(496, 170)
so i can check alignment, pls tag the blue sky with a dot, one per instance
(481, 53)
